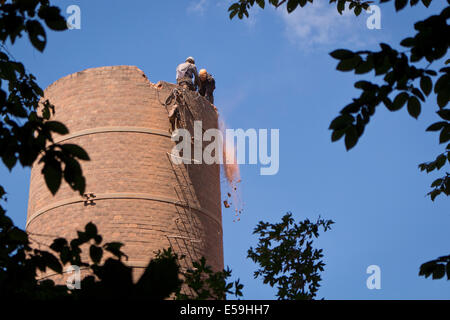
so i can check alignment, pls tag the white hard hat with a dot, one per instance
(190, 59)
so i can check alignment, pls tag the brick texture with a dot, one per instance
(143, 200)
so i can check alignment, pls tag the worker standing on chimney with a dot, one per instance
(207, 85)
(185, 72)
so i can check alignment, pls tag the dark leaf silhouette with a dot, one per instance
(287, 258)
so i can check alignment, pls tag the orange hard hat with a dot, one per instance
(202, 74)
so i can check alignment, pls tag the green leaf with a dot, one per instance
(341, 122)
(9, 159)
(336, 135)
(46, 113)
(433, 194)
(388, 103)
(439, 271)
(408, 42)
(91, 230)
(383, 65)
(426, 85)
(37, 35)
(437, 126)
(342, 54)
(98, 239)
(364, 66)
(114, 248)
(362, 84)
(443, 98)
(52, 173)
(427, 268)
(440, 161)
(448, 270)
(414, 107)
(57, 127)
(58, 244)
(96, 253)
(75, 151)
(351, 108)
(399, 101)
(400, 4)
(51, 261)
(442, 83)
(436, 183)
(18, 235)
(349, 64)
(351, 137)
(444, 114)
(426, 3)
(291, 5)
(234, 7)
(445, 135)
(431, 72)
(74, 175)
(53, 17)
(341, 6)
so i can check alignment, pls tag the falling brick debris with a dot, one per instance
(232, 177)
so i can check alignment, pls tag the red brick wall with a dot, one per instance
(116, 115)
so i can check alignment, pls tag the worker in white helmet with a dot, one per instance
(185, 72)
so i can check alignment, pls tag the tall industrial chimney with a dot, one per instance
(134, 193)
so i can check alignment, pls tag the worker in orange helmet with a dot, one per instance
(207, 84)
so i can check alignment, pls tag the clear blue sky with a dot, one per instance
(274, 71)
